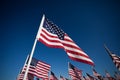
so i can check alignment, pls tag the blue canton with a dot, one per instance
(52, 28)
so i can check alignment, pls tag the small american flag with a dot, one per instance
(89, 77)
(115, 58)
(95, 73)
(62, 78)
(55, 37)
(21, 76)
(38, 68)
(74, 72)
(52, 76)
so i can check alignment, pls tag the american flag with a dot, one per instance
(107, 74)
(74, 72)
(89, 77)
(95, 73)
(38, 68)
(55, 37)
(52, 76)
(21, 76)
(62, 78)
(115, 58)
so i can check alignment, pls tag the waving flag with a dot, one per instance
(90, 77)
(21, 76)
(38, 68)
(95, 73)
(74, 72)
(114, 57)
(53, 36)
(62, 78)
(52, 76)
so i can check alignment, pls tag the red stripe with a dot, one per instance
(57, 41)
(83, 61)
(53, 46)
(42, 67)
(43, 63)
(43, 31)
(76, 53)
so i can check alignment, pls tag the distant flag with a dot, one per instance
(107, 74)
(117, 75)
(95, 73)
(52, 36)
(52, 76)
(114, 57)
(21, 76)
(74, 72)
(90, 77)
(62, 78)
(84, 78)
(38, 68)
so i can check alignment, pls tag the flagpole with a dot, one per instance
(33, 48)
(107, 49)
(68, 71)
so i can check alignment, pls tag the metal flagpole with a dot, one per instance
(33, 48)
(68, 72)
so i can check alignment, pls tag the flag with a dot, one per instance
(90, 77)
(115, 58)
(52, 76)
(107, 74)
(95, 73)
(117, 75)
(74, 72)
(52, 36)
(62, 78)
(21, 76)
(38, 68)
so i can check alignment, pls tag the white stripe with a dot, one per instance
(42, 63)
(57, 39)
(80, 57)
(75, 50)
(51, 43)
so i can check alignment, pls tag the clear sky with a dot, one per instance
(91, 24)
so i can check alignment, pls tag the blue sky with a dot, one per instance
(91, 24)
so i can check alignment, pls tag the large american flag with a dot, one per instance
(115, 58)
(38, 68)
(53, 36)
(74, 72)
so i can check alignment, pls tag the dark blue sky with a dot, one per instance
(91, 24)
